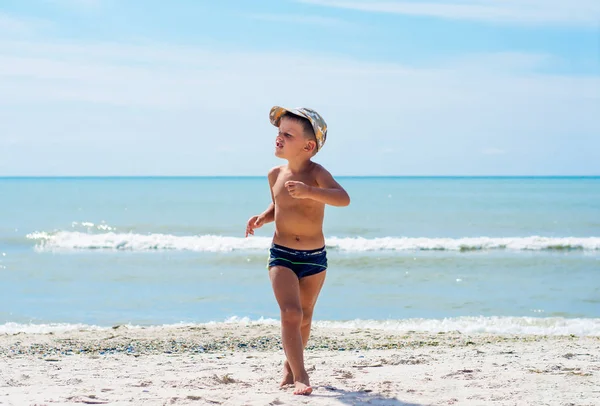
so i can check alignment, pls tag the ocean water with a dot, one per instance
(507, 255)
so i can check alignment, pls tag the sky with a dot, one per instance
(409, 87)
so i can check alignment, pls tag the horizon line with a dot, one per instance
(264, 176)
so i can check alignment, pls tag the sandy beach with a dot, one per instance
(240, 365)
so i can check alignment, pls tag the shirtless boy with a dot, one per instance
(298, 259)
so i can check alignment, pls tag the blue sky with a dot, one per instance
(432, 87)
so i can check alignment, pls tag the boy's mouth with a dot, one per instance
(278, 144)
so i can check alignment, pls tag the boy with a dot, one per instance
(298, 260)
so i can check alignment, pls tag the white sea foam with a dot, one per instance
(74, 240)
(466, 325)
(89, 225)
(490, 325)
(30, 328)
(534, 243)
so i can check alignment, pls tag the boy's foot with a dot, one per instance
(303, 386)
(288, 376)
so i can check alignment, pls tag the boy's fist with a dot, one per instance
(297, 190)
(254, 223)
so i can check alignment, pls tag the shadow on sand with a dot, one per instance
(363, 397)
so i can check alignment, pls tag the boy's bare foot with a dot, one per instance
(302, 386)
(288, 376)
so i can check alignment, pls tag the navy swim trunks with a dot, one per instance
(302, 263)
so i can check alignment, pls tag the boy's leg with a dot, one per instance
(287, 292)
(310, 287)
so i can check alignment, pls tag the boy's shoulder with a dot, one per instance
(274, 173)
(319, 171)
(318, 168)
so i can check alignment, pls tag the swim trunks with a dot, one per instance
(302, 262)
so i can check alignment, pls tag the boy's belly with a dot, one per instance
(298, 229)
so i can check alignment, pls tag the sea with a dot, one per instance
(509, 255)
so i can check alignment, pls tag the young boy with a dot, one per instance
(298, 260)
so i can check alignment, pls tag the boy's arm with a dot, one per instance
(269, 214)
(329, 191)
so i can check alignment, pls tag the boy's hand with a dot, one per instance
(297, 190)
(254, 223)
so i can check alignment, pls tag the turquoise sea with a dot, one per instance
(512, 255)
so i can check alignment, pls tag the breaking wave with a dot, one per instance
(466, 325)
(75, 240)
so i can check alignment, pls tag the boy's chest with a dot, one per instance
(280, 192)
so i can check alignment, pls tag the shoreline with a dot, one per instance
(241, 364)
(209, 338)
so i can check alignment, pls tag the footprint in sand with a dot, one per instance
(225, 379)
(88, 400)
(142, 384)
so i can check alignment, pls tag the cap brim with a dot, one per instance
(278, 111)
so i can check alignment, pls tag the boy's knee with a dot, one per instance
(307, 316)
(291, 315)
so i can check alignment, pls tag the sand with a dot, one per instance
(241, 365)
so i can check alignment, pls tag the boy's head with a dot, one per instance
(300, 125)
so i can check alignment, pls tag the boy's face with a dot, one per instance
(290, 141)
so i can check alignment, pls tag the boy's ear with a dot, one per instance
(310, 146)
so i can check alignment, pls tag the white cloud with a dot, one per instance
(178, 105)
(501, 62)
(493, 151)
(300, 19)
(11, 26)
(573, 12)
(182, 78)
(14, 25)
(78, 4)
